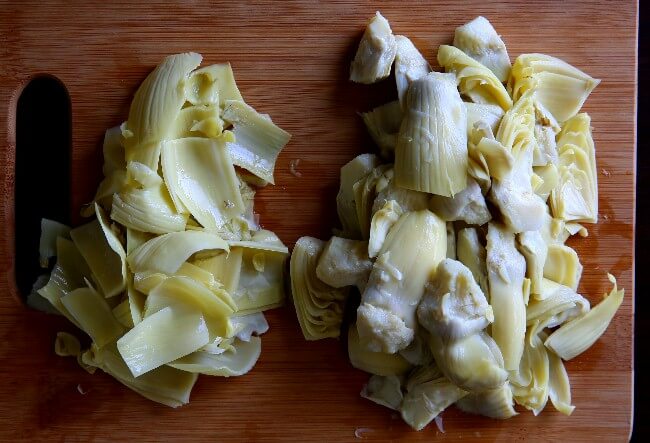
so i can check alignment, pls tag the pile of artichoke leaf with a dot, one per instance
(455, 234)
(171, 277)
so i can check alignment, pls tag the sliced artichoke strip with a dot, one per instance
(181, 276)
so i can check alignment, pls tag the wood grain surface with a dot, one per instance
(291, 60)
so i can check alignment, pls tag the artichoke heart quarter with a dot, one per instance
(431, 152)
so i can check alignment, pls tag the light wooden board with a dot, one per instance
(291, 60)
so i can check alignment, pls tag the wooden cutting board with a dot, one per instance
(291, 60)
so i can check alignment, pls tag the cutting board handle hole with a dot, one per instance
(42, 174)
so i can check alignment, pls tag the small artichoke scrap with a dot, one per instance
(480, 40)
(375, 54)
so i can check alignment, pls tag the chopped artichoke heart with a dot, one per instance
(521, 208)
(166, 253)
(378, 363)
(473, 363)
(232, 363)
(468, 205)
(155, 107)
(549, 176)
(575, 198)
(170, 333)
(531, 380)
(506, 269)
(200, 175)
(489, 115)
(386, 316)
(386, 189)
(431, 152)
(559, 388)
(474, 79)
(383, 124)
(375, 54)
(558, 87)
(365, 193)
(563, 266)
(409, 65)
(576, 336)
(351, 173)
(425, 401)
(532, 246)
(258, 141)
(384, 390)
(381, 223)
(319, 307)
(545, 146)
(454, 306)
(497, 160)
(344, 262)
(555, 305)
(136, 302)
(93, 314)
(493, 403)
(479, 40)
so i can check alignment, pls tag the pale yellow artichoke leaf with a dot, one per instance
(232, 363)
(160, 338)
(200, 176)
(164, 385)
(258, 141)
(351, 173)
(68, 274)
(155, 107)
(378, 363)
(166, 253)
(576, 336)
(103, 252)
(474, 79)
(93, 314)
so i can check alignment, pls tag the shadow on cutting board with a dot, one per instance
(42, 180)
